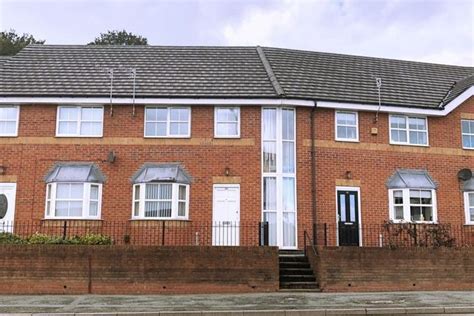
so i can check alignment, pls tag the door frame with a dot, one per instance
(226, 185)
(354, 189)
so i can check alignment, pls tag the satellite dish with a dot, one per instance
(465, 174)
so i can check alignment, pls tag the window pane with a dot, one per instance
(227, 129)
(77, 190)
(289, 231)
(7, 128)
(93, 208)
(270, 218)
(415, 212)
(166, 191)
(398, 212)
(288, 194)
(8, 113)
(269, 124)
(427, 213)
(399, 136)
(227, 115)
(179, 129)
(288, 157)
(164, 209)
(151, 191)
(468, 141)
(471, 199)
(67, 128)
(91, 114)
(182, 193)
(181, 208)
(269, 156)
(179, 114)
(417, 124)
(342, 206)
(342, 132)
(91, 128)
(94, 192)
(155, 129)
(288, 127)
(136, 209)
(425, 197)
(151, 209)
(61, 208)
(137, 192)
(156, 114)
(418, 138)
(75, 208)
(398, 197)
(68, 114)
(346, 118)
(415, 197)
(269, 193)
(398, 122)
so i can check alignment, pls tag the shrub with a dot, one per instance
(9, 238)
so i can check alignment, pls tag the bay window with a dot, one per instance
(407, 130)
(80, 121)
(74, 191)
(9, 117)
(160, 191)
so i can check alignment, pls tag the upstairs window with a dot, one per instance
(227, 122)
(74, 191)
(161, 191)
(347, 128)
(173, 122)
(467, 127)
(80, 121)
(9, 116)
(407, 130)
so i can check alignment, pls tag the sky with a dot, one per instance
(438, 31)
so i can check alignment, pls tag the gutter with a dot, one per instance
(313, 174)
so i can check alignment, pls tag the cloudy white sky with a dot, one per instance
(440, 31)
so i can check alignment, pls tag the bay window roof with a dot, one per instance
(411, 179)
(165, 172)
(75, 172)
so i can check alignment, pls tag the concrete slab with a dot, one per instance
(346, 311)
(386, 311)
(309, 312)
(459, 309)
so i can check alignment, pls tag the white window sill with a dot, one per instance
(468, 148)
(158, 219)
(79, 136)
(406, 144)
(71, 219)
(397, 221)
(224, 137)
(165, 137)
(347, 140)
(8, 135)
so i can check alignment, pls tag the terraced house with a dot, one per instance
(232, 145)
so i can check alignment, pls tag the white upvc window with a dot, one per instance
(172, 122)
(227, 122)
(408, 130)
(413, 205)
(469, 207)
(73, 200)
(347, 126)
(80, 121)
(160, 201)
(467, 128)
(9, 118)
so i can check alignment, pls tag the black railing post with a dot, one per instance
(163, 233)
(64, 230)
(325, 234)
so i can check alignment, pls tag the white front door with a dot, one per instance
(226, 215)
(7, 206)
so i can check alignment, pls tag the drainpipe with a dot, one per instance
(313, 174)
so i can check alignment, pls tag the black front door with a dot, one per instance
(348, 218)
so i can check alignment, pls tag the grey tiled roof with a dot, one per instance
(228, 72)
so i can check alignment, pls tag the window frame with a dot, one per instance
(168, 121)
(51, 199)
(407, 204)
(174, 202)
(340, 139)
(467, 208)
(79, 121)
(407, 130)
(17, 120)
(469, 134)
(216, 109)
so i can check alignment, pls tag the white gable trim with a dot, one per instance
(156, 101)
(399, 109)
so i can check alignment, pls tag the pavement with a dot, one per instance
(281, 304)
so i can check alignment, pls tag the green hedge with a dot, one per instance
(42, 239)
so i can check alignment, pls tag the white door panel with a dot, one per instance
(226, 215)
(7, 206)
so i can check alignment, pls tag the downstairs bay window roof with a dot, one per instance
(75, 172)
(468, 185)
(166, 172)
(411, 179)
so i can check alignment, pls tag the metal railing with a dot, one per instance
(146, 232)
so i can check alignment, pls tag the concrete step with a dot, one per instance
(297, 278)
(295, 265)
(296, 271)
(298, 285)
(293, 259)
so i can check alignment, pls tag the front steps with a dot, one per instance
(296, 274)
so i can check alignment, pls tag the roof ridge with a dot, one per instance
(271, 75)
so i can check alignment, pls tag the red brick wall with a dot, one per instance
(54, 269)
(345, 269)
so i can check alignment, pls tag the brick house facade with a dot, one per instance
(254, 160)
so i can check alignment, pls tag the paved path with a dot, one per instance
(236, 302)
